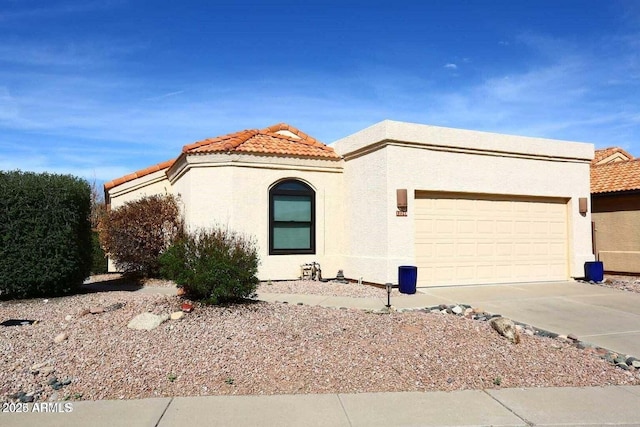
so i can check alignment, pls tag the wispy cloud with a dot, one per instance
(24, 10)
(451, 66)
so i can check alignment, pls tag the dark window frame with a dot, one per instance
(276, 190)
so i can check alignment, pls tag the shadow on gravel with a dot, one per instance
(127, 284)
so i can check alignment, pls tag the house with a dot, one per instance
(615, 201)
(465, 207)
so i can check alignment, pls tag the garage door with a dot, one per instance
(470, 238)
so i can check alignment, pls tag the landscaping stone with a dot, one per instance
(114, 307)
(37, 368)
(506, 328)
(96, 310)
(47, 370)
(457, 309)
(60, 337)
(68, 317)
(26, 398)
(147, 321)
(572, 337)
(177, 315)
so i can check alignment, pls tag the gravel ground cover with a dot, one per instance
(262, 348)
(311, 287)
(625, 283)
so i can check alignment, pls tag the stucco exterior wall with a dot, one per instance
(366, 206)
(233, 191)
(392, 155)
(617, 232)
(149, 185)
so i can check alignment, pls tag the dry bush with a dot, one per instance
(135, 234)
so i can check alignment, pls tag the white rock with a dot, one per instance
(177, 315)
(68, 317)
(147, 321)
(457, 309)
(60, 337)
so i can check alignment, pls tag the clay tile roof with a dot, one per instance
(280, 139)
(139, 174)
(615, 176)
(605, 153)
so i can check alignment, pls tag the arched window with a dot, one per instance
(292, 216)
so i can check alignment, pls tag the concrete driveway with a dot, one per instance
(603, 316)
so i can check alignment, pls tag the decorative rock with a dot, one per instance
(83, 312)
(177, 315)
(96, 310)
(68, 317)
(622, 366)
(60, 337)
(457, 309)
(47, 370)
(146, 321)
(37, 367)
(506, 328)
(114, 307)
(187, 308)
(620, 360)
(26, 398)
(630, 359)
(572, 337)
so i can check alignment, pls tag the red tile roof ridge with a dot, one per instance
(304, 138)
(139, 174)
(602, 153)
(617, 164)
(234, 139)
(234, 142)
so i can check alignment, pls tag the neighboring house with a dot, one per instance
(615, 201)
(465, 207)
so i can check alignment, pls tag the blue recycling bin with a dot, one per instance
(407, 279)
(594, 271)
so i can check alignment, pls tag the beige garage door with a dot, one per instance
(468, 239)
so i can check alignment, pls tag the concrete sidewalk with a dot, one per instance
(500, 407)
(609, 318)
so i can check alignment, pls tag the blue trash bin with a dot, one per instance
(407, 278)
(594, 271)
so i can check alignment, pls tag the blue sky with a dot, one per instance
(102, 88)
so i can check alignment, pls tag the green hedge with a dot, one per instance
(45, 234)
(100, 263)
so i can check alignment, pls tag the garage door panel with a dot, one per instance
(466, 239)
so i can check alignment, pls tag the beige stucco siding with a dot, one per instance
(366, 212)
(450, 160)
(148, 185)
(233, 192)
